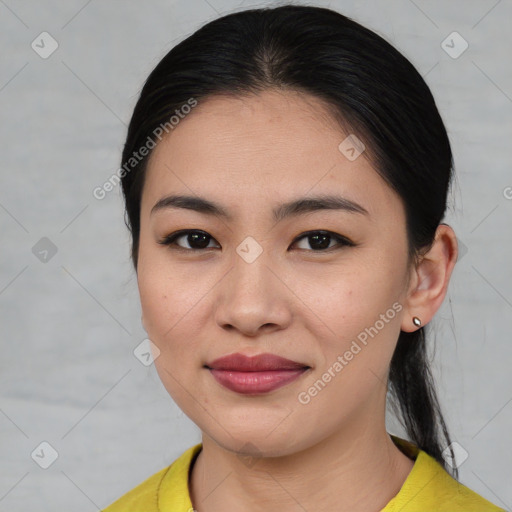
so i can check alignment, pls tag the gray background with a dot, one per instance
(71, 320)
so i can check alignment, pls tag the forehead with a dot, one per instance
(270, 145)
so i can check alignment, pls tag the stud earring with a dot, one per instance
(416, 321)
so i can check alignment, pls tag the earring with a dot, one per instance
(416, 321)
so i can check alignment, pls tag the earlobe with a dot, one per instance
(431, 279)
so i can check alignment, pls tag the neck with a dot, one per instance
(357, 472)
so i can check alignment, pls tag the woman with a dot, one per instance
(285, 205)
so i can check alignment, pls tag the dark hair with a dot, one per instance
(370, 88)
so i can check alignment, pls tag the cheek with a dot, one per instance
(169, 303)
(356, 334)
(175, 306)
(350, 296)
(355, 311)
(164, 294)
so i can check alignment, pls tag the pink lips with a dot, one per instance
(256, 374)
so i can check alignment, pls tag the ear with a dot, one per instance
(430, 278)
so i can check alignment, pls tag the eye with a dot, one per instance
(320, 240)
(199, 240)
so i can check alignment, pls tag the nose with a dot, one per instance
(253, 298)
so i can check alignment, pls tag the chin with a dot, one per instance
(257, 441)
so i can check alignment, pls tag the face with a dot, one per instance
(321, 287)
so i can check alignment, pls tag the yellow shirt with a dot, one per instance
(427, 488)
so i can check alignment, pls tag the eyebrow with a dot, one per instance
(296, 207)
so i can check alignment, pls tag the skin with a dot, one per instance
(271, 451)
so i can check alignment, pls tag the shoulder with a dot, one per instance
(171, 481)
(144, 495)
(449, 493)
(430, 487)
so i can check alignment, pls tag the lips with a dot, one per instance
(255, 375)
(258, 363)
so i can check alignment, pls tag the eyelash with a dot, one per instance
(170, 240)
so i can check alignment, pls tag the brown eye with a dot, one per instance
(197, 240)
(321, 240)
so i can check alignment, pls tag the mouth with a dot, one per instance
(255, 375)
